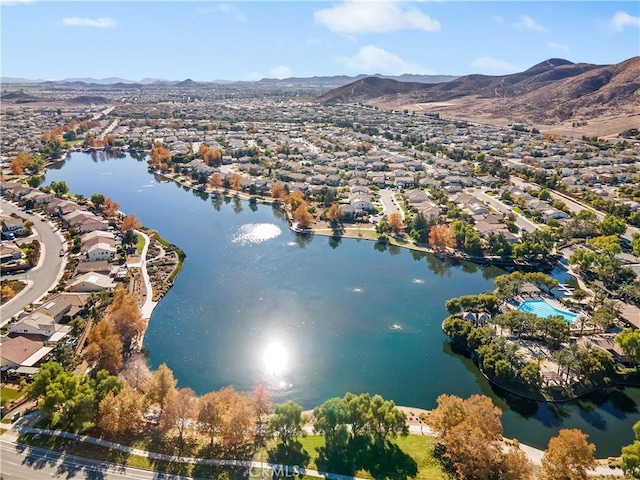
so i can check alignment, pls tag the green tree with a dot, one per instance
(630, 459)
(97, 199)
(60, 188)
(583, 258)
(466, 237)
(635, 244)
(609, 245)
(286, 427)
(331, 418)
(34, 181)
(386, 419)
(629, 342)
(613, 225)
(286, 423)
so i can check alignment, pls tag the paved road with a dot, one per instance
(389, 203)
(20, 462)
(48, 271)
(498, 205)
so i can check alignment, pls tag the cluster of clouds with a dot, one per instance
(353, 18)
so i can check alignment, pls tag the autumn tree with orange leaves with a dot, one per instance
(124, 314)
(121, 413)
(441, 238)
(277, 191)
(104, 347)
(213, 156)
(130, 222)
(20, 163)
(302, 216)
(215, 181)
(396, 224)
(235, 182)
(334, 213)
(160, 156)
(110, 207)
(295, 199)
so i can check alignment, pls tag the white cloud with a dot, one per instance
(356, 17)
(371, 59)
(623, 19)
(232, 11)
(281, 71)
(493, 65)
(102, 22)
(559, 46)
(497, 19)
(528, 23)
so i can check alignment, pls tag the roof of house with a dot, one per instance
(16, 349)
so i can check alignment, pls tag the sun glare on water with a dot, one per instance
(256, 233)
(275, 359)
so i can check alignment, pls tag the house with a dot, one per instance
(35, 323)
(21, 351)
(84, 221)
(14, 225)
(98, 236)
(361, 202)
(38, 197)
(91, 282)
(55, 308)
(77, 302)
(552, 213)
(9, 252)
(101, 251)
(15, 191)
(99, 266)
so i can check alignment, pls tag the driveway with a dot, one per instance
(43, 276)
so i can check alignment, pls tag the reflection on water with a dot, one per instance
(275, 359)
(307, 297)
(256, 233)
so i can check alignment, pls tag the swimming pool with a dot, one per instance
(544, 310)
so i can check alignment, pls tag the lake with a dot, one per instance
(313, 318)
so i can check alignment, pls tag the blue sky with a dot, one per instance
(249, 40)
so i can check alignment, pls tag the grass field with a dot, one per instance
(10, 394)
(419, 448)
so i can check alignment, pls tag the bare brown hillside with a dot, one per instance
(551, 93)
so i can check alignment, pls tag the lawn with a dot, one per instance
(139, 244)
(419, 448)
(10, 394)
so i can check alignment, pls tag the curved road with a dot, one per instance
(48, 271)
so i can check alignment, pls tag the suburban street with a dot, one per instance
(48, 271)
(496, 204)
(389, 204)
(574, 206)
(32, 463)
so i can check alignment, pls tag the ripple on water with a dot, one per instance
(418, 280)
(357, 290)
(256, 233)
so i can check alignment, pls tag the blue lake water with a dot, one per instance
(312, 318)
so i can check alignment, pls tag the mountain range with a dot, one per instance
(553, 91)
(318, 81)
